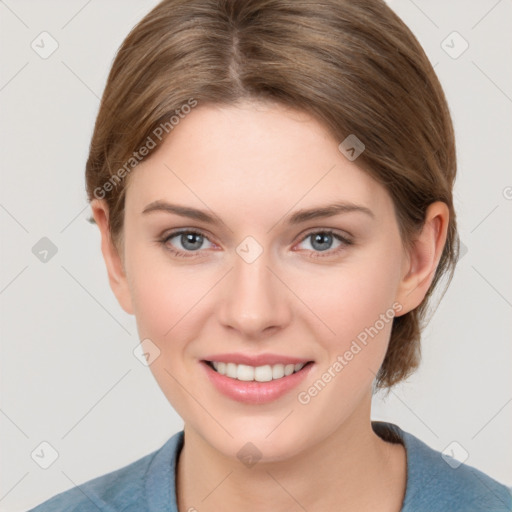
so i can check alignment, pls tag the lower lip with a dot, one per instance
(254, 392)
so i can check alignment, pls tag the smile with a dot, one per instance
(246, 373)
(255, 379)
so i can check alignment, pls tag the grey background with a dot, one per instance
(68, 373)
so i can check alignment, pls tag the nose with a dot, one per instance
(255, 301)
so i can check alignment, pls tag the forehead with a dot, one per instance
(251, 157)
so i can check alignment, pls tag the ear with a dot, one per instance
(114, 262)
(422, 260)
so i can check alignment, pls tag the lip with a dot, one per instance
(253, 392)
(256, 360)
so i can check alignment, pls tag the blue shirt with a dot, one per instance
(148, 484)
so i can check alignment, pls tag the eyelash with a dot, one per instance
(316, 254)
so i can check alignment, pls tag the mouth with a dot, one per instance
(264, 373)
(256, 385)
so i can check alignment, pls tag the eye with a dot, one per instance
(322, 242)
(187, 241)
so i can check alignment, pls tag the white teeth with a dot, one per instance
(278, 371)
(231, 370)
(264, 373)
(245, 372)
(289, 369)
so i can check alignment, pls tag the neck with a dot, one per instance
(351, 469)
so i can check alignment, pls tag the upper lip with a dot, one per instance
(256, 360)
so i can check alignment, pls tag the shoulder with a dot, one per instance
(436, 481)
(124, 489)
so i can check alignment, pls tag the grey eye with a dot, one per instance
(321, 241)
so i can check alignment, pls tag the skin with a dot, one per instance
(252, 165)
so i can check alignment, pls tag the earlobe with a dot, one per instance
(113, 261)
(423, 258)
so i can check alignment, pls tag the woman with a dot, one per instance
(273, 182)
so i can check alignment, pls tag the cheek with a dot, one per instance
(167, 302)
(358, 307)
(163, 295)
(354, 308)
(349, 299)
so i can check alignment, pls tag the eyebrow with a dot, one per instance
(296, 218)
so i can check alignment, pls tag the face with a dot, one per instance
(245, 275)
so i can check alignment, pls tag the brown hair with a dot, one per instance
(353, 65)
